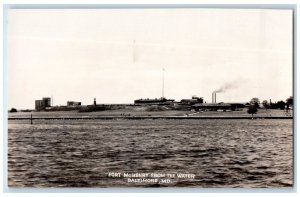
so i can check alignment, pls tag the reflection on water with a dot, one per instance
(80, 153)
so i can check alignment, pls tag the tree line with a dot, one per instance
(255, 104)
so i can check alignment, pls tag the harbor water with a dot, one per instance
(82, 153)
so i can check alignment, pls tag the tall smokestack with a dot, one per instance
(215, 97)
(212, 97)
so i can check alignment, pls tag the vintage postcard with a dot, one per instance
(150, 97)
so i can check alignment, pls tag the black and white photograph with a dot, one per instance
(141, 97)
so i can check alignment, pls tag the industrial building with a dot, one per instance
(47, 101)
(160, 101)
(73, 103)
(211, 107)
(42, 104)
(192, 101)
(218, 106)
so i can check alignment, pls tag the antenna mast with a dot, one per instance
(163, 83)
(134, 51)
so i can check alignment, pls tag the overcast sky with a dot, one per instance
(117, 55)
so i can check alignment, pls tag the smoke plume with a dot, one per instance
(226, 86)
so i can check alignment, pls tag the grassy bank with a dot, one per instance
(144, 112)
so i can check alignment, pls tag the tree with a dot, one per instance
(255, 101)
(13, 110)
(281, 104)
(266, 104)
(289, 101)
(252, 109)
